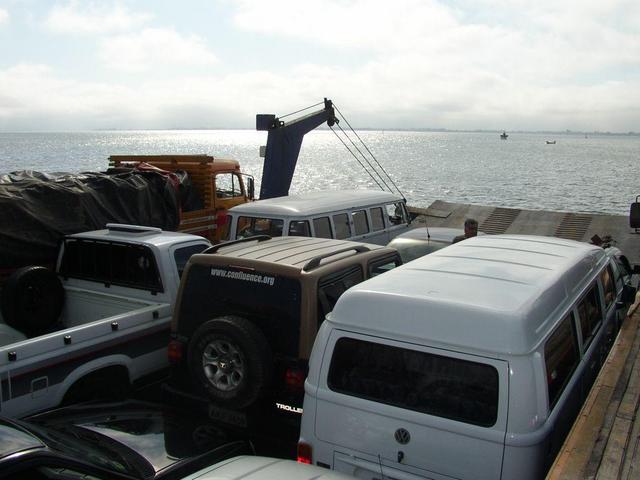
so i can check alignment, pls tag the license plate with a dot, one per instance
(231, 417)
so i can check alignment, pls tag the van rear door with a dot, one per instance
(394, 409)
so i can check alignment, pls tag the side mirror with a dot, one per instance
(251, 188)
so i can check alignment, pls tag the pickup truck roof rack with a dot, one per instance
(315, 261)
(124, 228)
(215, 248)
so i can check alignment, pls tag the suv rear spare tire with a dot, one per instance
(230, 359)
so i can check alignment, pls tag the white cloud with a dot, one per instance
(93, 18)
(154, 48)
(4, 16)
(40, 97)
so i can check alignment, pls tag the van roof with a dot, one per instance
(494, 293)
(292, 252)
(313, 203)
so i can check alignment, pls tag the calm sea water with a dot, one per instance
(595, 174)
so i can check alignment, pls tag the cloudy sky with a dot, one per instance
(456, 64)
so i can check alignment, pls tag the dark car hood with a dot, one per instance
(132, 437)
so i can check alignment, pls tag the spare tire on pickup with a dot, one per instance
(32, 299)
(230, 359)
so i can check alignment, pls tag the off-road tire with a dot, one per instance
(230, 359)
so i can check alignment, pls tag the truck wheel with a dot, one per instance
(32, 300)
(230, 359)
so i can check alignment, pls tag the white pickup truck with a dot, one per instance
(98, 325)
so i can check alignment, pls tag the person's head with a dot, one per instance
(470, 227)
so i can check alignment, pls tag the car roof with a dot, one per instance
(313, 203)
(14, 439)
(294, 252)
(493, 293)
(265, 468)
(150, 236)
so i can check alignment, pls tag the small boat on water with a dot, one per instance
(551, 142)
(504, 135)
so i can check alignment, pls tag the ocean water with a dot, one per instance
(594, 174)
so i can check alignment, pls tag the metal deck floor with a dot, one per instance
(495, 220)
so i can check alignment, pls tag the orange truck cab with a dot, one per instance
(219, 183)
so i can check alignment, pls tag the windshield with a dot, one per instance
(411, 248)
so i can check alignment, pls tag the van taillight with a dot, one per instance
(294, 378)
(174, 353)
(304, 453)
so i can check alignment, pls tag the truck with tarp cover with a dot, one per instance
(188, 193)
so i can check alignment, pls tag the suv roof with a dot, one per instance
(298, 253)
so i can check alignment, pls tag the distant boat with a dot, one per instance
(551, 142)
(503, 135)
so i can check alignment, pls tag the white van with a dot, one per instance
(362, 215)
(470, 363)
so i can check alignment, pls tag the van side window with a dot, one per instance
(606, 277)
(341, 222)
(360, 222)
(396, 213)
(332, 286)
(377, 221)
(590, 316)
(252, 226)
(433, 384)
(561, 358)
(299, 228)
(380, 266)
(322, 227)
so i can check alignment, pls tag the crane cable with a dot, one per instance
(371, 154)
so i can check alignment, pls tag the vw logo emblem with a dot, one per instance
(402, 436)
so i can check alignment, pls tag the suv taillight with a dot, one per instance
(294, 378)
(304, 453)
(175, 351)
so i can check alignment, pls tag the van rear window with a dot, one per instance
(434, 384)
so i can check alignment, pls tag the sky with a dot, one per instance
(542, 65)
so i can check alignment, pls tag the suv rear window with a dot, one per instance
(434, 384)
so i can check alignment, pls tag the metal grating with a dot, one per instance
(573, 226)
(499, 220)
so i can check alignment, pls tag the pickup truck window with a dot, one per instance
(423, 382)
(111, 263)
